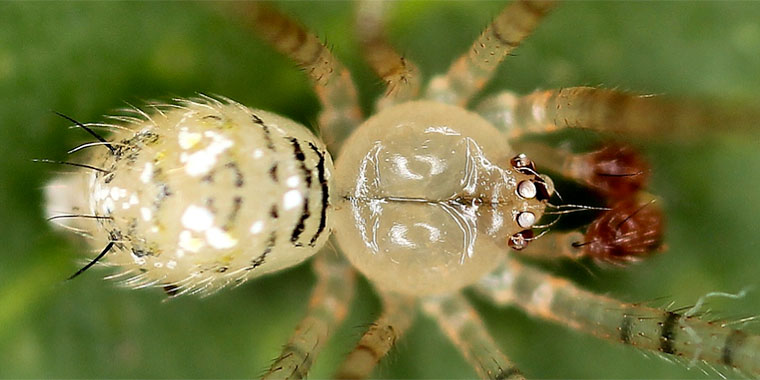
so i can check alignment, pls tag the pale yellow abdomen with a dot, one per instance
(207, 194)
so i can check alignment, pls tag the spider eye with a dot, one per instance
(523, 164)
(526, 219)
(527, 190)
(520, 240)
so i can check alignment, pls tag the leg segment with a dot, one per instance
(332, 82)
(461, 324)
(683, 335)
(607, 111)
(401, 76)
(398, 314)
(470, 72)
(328, 306)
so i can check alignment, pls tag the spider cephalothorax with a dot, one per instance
(427, 198)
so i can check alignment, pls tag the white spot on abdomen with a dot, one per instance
(197, 218)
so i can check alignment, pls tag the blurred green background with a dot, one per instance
(86, 58)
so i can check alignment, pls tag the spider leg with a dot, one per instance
(331, 80)
(328, 306)
(470, 72)
(401, 76)
(462, 325)
(683, 335)
(398, 314)
(608, 110)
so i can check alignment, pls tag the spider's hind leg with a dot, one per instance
(328, 306)
(397, 316)
(462, 325)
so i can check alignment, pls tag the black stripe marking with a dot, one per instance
(733, 341)
(257, 262)
(298, 230)
(273, 172)
(273, 212)
(301, 157)
(325, 194)
(265, 128)
(667, 334)
(500, 37)
(239, 181)
(237, 203)
(625, 329)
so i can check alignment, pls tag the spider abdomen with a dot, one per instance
(428, 196)
(205, 194)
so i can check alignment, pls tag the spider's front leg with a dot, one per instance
(328, 307)
(470, 72)
(612, 111)
(683, 335)
(401, 76)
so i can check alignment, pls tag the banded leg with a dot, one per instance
(398, 314)
(462, 325)
(607, 111)
(328, 306)
(470, 72)
(331, 80)
(401, 76)
(668, 332)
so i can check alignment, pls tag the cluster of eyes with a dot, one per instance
(527, 189)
